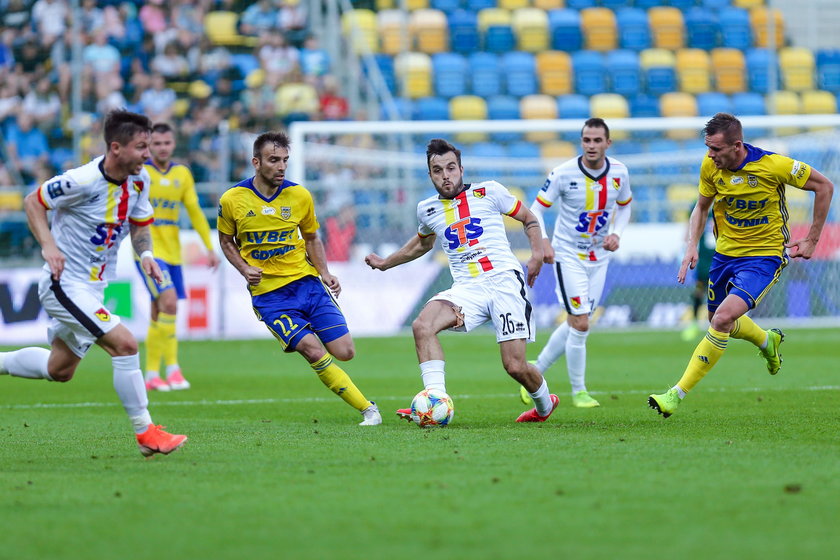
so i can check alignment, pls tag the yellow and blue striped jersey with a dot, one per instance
(171, 189)
(268, 231)
(750, 210)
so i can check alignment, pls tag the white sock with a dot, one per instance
(554, 348)
(680, 391)
(763, 345)
(433, 374)
(129, 385)
(542, 399)
(30, 363)
(172, 369)
(152, 375)
(576, 359)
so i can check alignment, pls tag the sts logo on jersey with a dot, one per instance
(592, 221)
(463, 231)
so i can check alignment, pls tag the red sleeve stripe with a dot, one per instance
(545, 203)
(624, 202)
(141, 222)
(515, 208)
(42, 201)
(421, 236)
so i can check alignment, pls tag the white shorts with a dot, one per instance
(580, 284)
(77, 313)
(498, 297)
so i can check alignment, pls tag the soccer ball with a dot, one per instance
(432, 407)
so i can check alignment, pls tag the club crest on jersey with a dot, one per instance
(102, 314)
(285, 212)
(576, 302)
(616, 182)
(752, 180)
(138, 186)
(268, 211)
(480, 193)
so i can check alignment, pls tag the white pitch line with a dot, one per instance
(237, 402)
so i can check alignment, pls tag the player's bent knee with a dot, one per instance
(61, 375)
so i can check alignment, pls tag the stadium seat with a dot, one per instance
(221, 28)
(11, 200)
(385, 65)
(797, 68)
(415, 72)
(482, 160)
(524, 150)
(610, 106)
(379, 5)
(478, 5)
(485, 74)
(520, 73)
(548, 4)
(679, 104)
(429, 30)
(564, 26)
(693, 70)
(648, 4)
(633, 29)
(784, 103)
(538, 106)
(553, 153)
(667, 27)
(495, 27)
(414, 5)
(624, 71)
(531, 28)
(681, 198)
(581, 4)
(819, 102)
(735, 28)
(450, 73)
(713, 102)
(590, 72)
(463, 31)
(472, 108)
(758, 63)
(403, 109)
(682, 5)
(828, 70)
(392, 26)
(759, 20)
(431, 109)
(360, 27)
(644, 106)
(503, 107)
(554, 71)
(599, 29)
(659, 69)
(446, 6)
(748, 103)
(613, 4)
(748, 3)
(244, 62)
(730, 70)
(702, 29)
(573, 106)
(512, 4)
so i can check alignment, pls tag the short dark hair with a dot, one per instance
(276, 138)
(162, 128)
(121, 126)
(726, 124)
(438, 147)
(596, 122)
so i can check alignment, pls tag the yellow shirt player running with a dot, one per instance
(269, 233)
(747, 187)
(172, 187)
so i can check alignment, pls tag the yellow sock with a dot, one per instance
(746, 329)
(705, 356)
(169, 341)
(337, 381)
(154, 347)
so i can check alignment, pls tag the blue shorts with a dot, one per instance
(749, 278)
(173, 278)
(297, 309)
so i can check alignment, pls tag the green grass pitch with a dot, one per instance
(276, 467)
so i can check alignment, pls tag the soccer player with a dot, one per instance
(488, 278)
(94, 207)
(745, 185)
(593, 196)
(269, 233)
(172, 186)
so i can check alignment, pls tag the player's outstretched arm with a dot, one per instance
(823, 190)
(252, 274)
(535, 238)
(415, 248)
(318, 257)
(36, 216)
(696, 227)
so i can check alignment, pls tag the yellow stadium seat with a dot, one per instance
(11, 200)
(784, 103)
(730, 70)
(818, 102)
(610, 106)
(429, 30)
(385, 5)
(359, 28)
(681, 198)
(415, 72)
(554, 70)
(493, 16)
(555, 152)
(221, 29)
(549, 4)
(512, 4)
(797, 67)
(296, 97)
(667, 27)
(599, 29)
(748, 3)
(650, 58)
(538, 106)
(413, 5)
(468, 108)
(693, 70)
(679, 104)
(392, 26)
(531, 28)
(759, 18)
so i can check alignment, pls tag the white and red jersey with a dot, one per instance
(90, 217)
(471, 229)
(586, 205)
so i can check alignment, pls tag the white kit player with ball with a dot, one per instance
(591, 194)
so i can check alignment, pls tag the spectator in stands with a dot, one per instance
(61, 54)
(292, 20)
(9, 103)
(7, 54)
(5, 178)
(92, 17)
(26, 147)
(314, 61)
(44, 106)
(50, 19)
(189, 15)
(334, 106)
(154, 17)
(171, 63)
(157, 101)
(212, 60)
(30, 56)
(101, 57)
(296, 100)
(109, 95)
(278, 57)
(258, 97)
(16, 15)
(260, 17)
(340, 233)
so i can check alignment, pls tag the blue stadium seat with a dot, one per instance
(647, 4)
(503, 107)
(758, 61)
(449, 74)
(485, 74)
(735, 29)
(524, 150)
(403, 107)
(573, 106)
(644, 106)
(613, 4)
(748, 103)
(580, 4)
(625, 72)
(447, 6)
(431, 109)
(499, 39)
(520, 73)
(683, 5)
(385, 63)
(590, 72)
(702, 28)
(715, 4)
(712, 102)
(476, 5)
(564, 26)
(245, 62)
(633, 29)
(463, 31)
(488, 152)
(828, 70)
